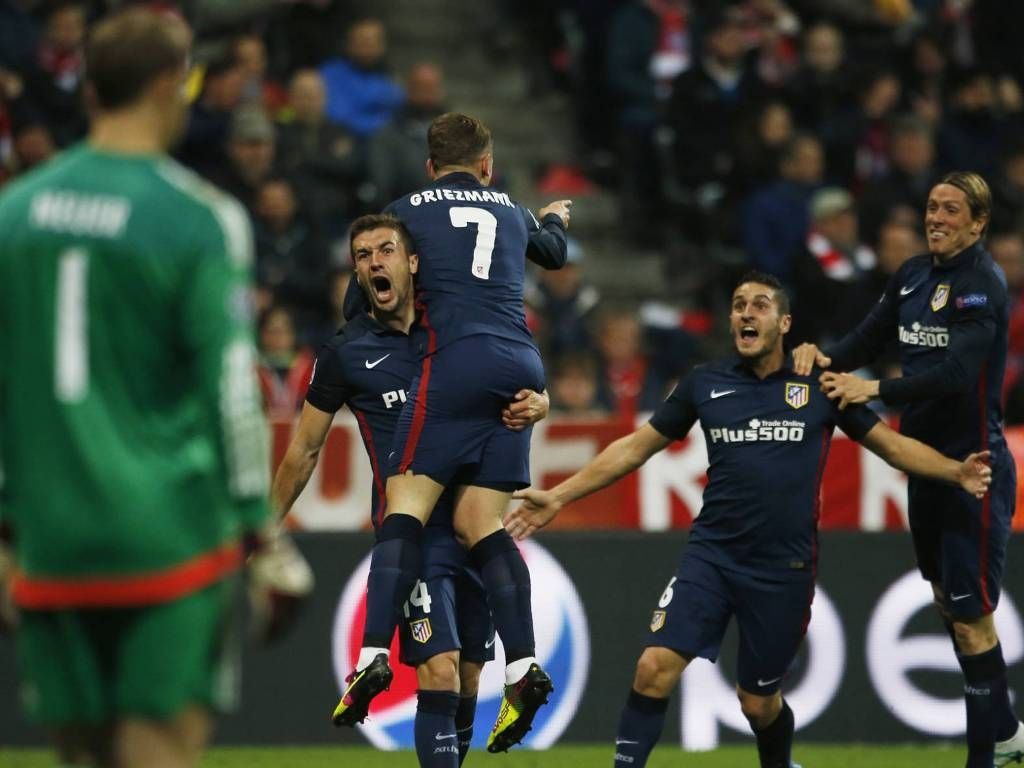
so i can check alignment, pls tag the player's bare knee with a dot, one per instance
(657, 672)
(439, 673)
(469, 678)
(760, 711)
(975, 636)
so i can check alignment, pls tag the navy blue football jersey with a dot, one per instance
(368, 367)
(951, 321)
(767, 441)
(472, 243)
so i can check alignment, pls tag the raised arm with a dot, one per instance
(618, 459)
(300, 458)
(546, 246)
(914, 457)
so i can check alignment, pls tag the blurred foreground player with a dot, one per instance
(133, 445)
(948, 309)
(477, 353)
(446, 630)
(752, 551)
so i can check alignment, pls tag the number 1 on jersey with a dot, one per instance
(486, 231)
(71, 354)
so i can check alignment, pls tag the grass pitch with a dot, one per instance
(810, 756)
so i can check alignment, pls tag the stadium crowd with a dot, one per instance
(799, 137)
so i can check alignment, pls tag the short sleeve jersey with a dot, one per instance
(368, 367)
(471, 241)
(767, 442)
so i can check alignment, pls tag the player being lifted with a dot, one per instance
(446, 633)
(948, 309)
(752, 551)
(133, 442)
(477, 353)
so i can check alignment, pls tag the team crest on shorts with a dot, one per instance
(797, 395)
(657, 621)
(940, 297)
(420, 630)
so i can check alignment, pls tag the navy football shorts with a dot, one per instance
(772, 616)
(450, 428)
(447, 613)
(960, 541)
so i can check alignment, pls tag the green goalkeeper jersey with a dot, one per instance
(132, 444)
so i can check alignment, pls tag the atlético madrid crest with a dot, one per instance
(797, 395)
(940, 297)
(657, 621)
(420, 630)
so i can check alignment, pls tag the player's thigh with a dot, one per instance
(180, 654)
(692, 612)
(504, 464)
(66, 669)
(772, 617)
(428, 626)
(478, 512)
(476, 628)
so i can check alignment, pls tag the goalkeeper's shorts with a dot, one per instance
(98, 665)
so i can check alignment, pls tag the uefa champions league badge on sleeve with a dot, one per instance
(563, 650)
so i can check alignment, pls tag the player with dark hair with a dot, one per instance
(948, 310)
(128, 375)
(477, 353)
(752, 551)
(446, 630)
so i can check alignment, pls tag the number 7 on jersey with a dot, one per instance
(486, 231)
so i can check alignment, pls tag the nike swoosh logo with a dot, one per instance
(905, 291)
(763, 683)
(625, 741)
(376, 362)
(442, 736)
(954, 598)
(715, 395)
(490, 642)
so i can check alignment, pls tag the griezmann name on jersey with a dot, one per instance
(132, 443)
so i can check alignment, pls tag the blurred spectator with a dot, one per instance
(772, 30)
(250, 154)
(980, 121)
(284, 368)
(629, 382)
(33, 145)
(250, 53)
(897, 242)
(323, 157)
(397, 152)
(821, 86)
(857, 138)
(776, 222)
(925, 76)
(908, 180)
(361, 94)
(836, 282)
(205, 142)
(574, 387)
(53, 84)
(19, 35)
(291, 259)
(564, 301)
(1007, 250)
(764, 137)
(1008, 189)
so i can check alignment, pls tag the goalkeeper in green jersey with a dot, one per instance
(132, 442)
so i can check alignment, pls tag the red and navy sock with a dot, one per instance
(640, 726)
(775, 742)
(437, 744)
(464, 716)
(507, 581)
(990, 717)
(394, 568)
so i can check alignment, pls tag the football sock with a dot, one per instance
(464, 716)
(775, 742)
(507, 582)
(640, 727)
(368, 653)
(394, 568)
(437, 744)
(990, 717)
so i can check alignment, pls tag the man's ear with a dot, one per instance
(414, 263)
(431, 174)
(786, 323)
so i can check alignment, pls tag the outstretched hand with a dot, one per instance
(976, 474)
(848, 389)
(538, 509)
(806, 356)
(559, 207)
